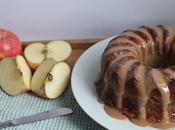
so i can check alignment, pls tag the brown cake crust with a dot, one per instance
(138, 74)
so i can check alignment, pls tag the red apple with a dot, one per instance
(10, 44)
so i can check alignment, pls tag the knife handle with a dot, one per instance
(6, 124)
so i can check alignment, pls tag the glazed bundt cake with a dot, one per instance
(138, 74)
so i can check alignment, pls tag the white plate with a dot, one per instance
(84, 75)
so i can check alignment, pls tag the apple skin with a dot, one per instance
(32, 65)
(40, 94)
(25, 89)
(10, 44)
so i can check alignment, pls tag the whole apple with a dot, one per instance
(10, 44)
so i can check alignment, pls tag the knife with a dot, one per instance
(36, 117)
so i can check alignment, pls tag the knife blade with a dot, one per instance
(36, 117)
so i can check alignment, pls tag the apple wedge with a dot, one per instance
(57, 80)
(36, 53)
(25, 70)
(50, 79)
(39, 76)
(15, 75)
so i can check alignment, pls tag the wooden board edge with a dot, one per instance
(75, 43)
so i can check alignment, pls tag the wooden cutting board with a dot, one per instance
(78, 47)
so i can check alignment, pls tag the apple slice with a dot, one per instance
(57, 80)
(39, 76)
(15, 75)
(36, 53)
(50, 79)
(25, 70)
(59, 50)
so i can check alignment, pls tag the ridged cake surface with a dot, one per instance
(138, 74)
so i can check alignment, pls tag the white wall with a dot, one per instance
(60, 19)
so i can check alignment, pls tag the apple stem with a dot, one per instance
(2, 37)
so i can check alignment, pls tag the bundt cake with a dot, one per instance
(137, 75)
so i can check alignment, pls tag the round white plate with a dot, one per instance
(84, 74)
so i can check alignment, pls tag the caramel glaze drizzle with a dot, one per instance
(132, 52)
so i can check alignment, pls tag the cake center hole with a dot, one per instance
(158, 61)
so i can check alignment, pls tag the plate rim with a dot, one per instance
(73, 70)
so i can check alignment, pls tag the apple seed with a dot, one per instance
(43, 87)
(18, 73)
(49, 77)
